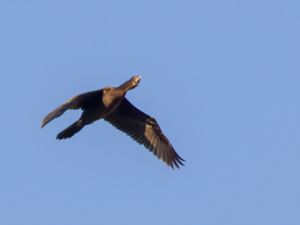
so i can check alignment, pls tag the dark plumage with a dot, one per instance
(111, 105)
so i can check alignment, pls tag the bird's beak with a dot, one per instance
(137, 78)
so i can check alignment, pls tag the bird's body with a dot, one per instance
(111, 105)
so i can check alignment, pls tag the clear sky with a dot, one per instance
(221, 78)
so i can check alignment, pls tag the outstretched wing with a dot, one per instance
(83, 101)
(145, 130)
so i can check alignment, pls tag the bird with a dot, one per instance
(110, 104)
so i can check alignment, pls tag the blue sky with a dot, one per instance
(221, 77)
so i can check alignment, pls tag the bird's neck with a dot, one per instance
(126, 86)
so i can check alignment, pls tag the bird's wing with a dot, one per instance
(82, 101)
(145, 130)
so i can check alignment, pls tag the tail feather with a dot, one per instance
(70, 131)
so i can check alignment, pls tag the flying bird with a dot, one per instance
(111, 105)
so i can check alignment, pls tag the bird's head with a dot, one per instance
(134, 81)
(131, 83)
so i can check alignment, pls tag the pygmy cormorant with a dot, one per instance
(111, 105)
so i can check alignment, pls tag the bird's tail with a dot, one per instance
(70, 131)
